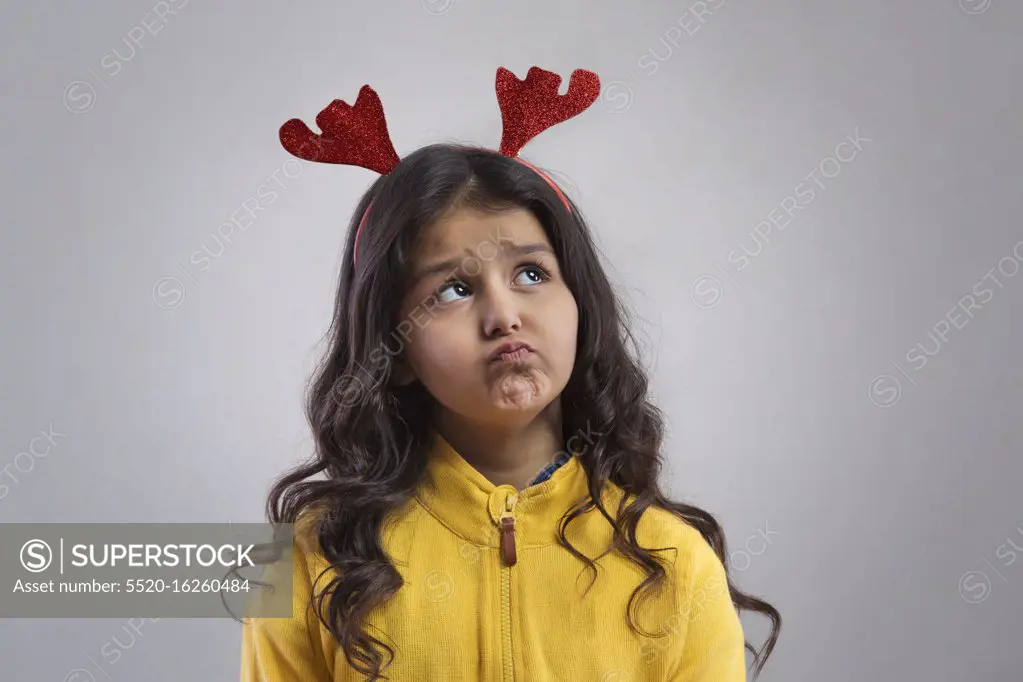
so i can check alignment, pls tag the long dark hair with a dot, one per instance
(371, 435)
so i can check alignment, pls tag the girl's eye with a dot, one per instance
(537, 272)
(449, 285)
(532, 274)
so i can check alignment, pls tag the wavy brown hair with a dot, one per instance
(371, 436)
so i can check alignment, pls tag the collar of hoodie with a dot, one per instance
(470, 505)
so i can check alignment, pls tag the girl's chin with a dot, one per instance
(521, 389)
(517, 392)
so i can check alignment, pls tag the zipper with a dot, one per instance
(508, 554)
(508, 559)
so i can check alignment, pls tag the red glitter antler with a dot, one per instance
(352, 135)
(532, 106)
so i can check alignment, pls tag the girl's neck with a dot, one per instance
(511, 455)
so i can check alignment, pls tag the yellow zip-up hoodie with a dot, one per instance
(490, 595)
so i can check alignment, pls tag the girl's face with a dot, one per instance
(478, 281)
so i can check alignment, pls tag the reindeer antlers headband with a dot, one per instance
(357, 135)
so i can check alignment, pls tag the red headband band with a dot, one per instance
(357, 135)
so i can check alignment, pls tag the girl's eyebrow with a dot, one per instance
(453, 263)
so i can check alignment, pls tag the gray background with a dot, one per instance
(886, 488)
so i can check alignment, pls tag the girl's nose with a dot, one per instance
(500, 312)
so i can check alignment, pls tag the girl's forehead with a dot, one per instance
(467, 231)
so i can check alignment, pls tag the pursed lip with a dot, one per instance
(509, 347)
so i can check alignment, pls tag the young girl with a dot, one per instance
(489, 507)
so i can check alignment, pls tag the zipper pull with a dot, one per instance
(508, 532)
